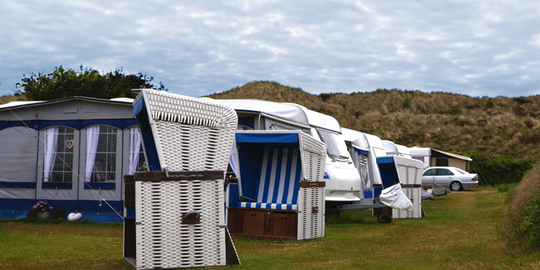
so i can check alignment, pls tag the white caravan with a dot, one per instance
(375, 148)
(393, 149)
(403, 151)
(343, 182)
(341, 177)
(366, 147)
(421, 153)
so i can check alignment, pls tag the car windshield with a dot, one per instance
(461, 171)
(335, 145)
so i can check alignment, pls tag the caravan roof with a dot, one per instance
(286, 111)
(391, 148)
(403, 150)
(357, 138)
(420, 151)
(317, 119)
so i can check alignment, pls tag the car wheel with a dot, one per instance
(456, 186)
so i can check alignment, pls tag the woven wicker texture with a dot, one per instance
(314, 158)
(163, 241)
(194, 148)
(192, 134)
(187, 110)
(310, 224)
(410, 173)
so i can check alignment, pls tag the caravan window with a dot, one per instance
(335, 145)
(101, 154)
(58, 154)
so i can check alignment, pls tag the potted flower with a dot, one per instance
(40, 210)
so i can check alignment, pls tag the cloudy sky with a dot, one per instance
(477, 48)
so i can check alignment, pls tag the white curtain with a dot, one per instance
(134, 149)
(233, 160)
(51, 142)
(92, 138)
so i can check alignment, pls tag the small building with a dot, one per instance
(437, 158)
(72, 152)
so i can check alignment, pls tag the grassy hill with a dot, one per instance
(8, 99)
(445, 121)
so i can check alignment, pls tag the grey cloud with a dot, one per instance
(475, 48)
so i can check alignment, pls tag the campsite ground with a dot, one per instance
(460, 231)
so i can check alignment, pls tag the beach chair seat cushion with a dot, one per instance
(278, 206)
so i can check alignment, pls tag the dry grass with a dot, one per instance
(526, 188)
(500, 125)
(8, 99)
(459, 232)
(517, 209)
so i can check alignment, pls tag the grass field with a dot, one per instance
(459, 232)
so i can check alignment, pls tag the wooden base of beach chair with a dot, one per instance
(263, 223)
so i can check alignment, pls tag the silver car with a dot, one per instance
(450, 177)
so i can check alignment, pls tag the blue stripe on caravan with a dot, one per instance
(29, 185)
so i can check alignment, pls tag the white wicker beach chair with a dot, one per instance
(179, 205)
(181, 133)
(408, 172)
(281, 186)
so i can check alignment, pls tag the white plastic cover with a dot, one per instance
(391, 148)
(357, 138)
(279, 110)
(394, 197)
(321, 120)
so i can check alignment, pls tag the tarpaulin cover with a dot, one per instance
(395, 198)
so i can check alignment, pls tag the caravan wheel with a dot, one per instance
(385, 219)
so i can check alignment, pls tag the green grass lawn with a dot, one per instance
(459, 232)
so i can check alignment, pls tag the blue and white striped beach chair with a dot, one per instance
(281, 188)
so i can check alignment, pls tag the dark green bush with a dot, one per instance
(505, 187)
(499, 169)
(453, 111)
(489, 103)
(407, 102)
(531, 223)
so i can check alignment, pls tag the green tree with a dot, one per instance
(62, 83)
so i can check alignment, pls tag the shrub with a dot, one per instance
(489, 103)
(505, 187)
(499, 169)
(531, 223)
(407, 102)
(522, 226)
